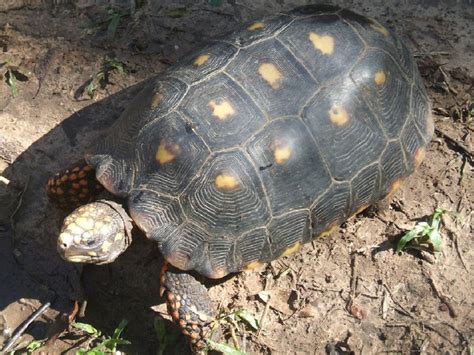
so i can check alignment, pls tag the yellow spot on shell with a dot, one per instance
(156, 99)
(338, 115)
(271, 74)
(430, 125)
(292, 249)
(118, 236)
(203, 58)
(252, 265)
(393, 188)
(256, 26)
(360, 209)
(379, 78)
(282, 154)
(419, 156)
(218, 273)
(327, 232)
(324, 43)
(226, 182)
(106, 246)
(166, 152)
(221, 110)
(378, 27)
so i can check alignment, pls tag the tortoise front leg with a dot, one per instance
(189, 305)
(74, 186)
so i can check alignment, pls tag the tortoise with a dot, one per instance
(260, 142)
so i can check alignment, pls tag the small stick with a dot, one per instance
(22, 328)
(453, 142)
(82, 309)
(440, 296)
(267, 305)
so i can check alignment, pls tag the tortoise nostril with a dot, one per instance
(64, 246)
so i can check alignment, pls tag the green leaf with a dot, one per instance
(120, 328)
(409, 236)
(160, 329)
(94, 83)
(165, 339)
(114, 20)
(424, 233)
(11, 82)
(86, 328)
(116, 64)
(248, 318)
(35, 344)
(224, 348)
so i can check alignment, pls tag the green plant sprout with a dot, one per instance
(107, 344)
(424, 235)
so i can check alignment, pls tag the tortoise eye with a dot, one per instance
(90, 242)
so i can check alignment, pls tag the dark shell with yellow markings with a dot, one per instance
(268, 138)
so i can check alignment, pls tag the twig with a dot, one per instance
(433, 53)
(438, 294)
(267, 305)
(402, 309)
(22, 328)
(82, 309)
(460, 147)
(20, 201)
(353, 283)
(456, 245)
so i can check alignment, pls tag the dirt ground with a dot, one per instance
(348, 293)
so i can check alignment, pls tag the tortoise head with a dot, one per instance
(96, 233)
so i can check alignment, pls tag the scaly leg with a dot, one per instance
(189, 305)
(75, 186)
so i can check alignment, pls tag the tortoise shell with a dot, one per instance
(268, 138)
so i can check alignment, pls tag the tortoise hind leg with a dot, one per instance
(74, 186)
(189, 305)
